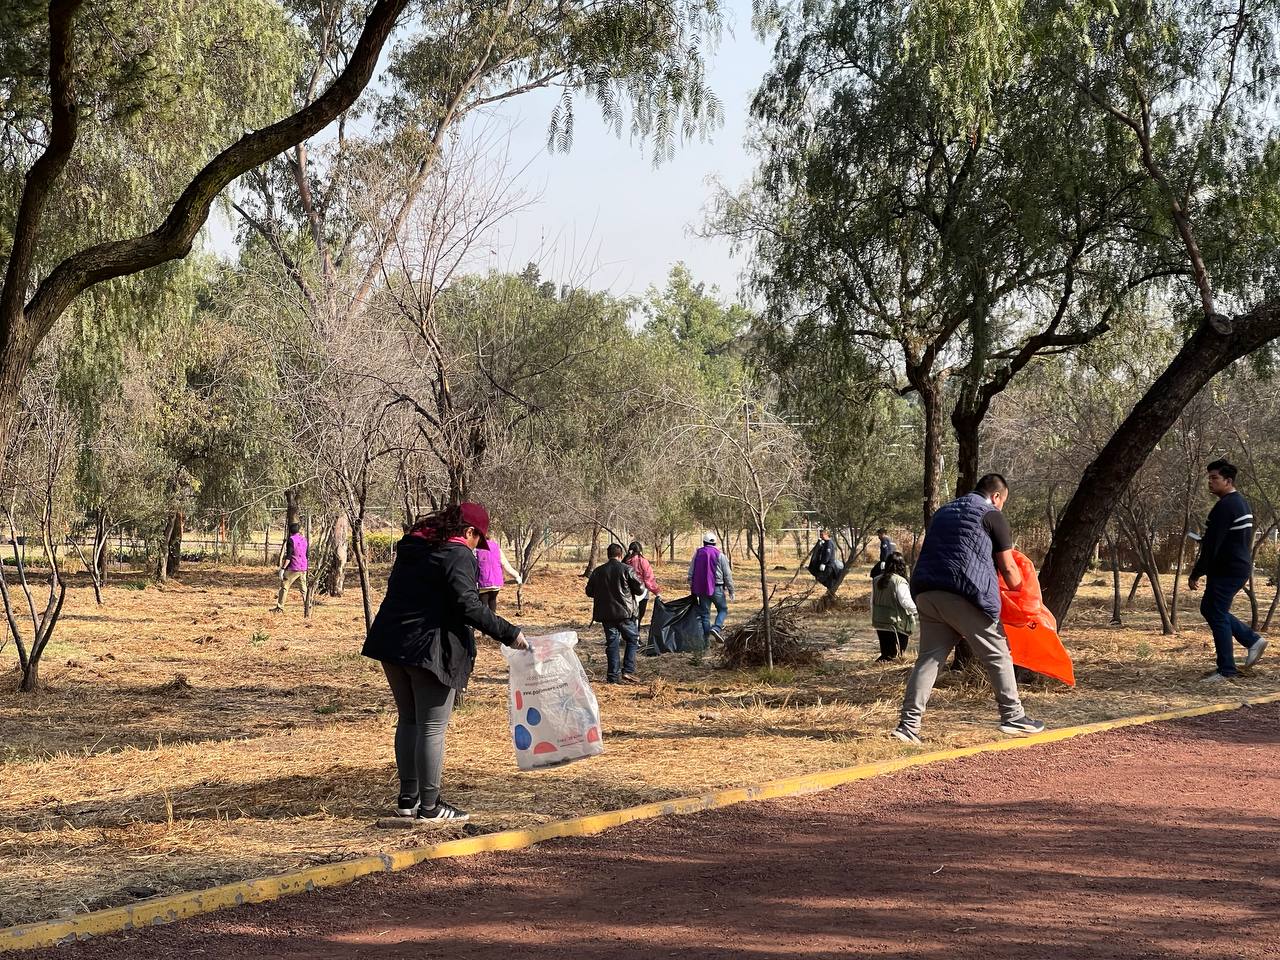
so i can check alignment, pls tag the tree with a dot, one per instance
(109, 80)
(113, 92)
(955, 256)
(38, 467)
(1188, 87)
(754, 461)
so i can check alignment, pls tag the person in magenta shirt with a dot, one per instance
(293, 565)
(637, 561)
(493, 564)
(710, 578)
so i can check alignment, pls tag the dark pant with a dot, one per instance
(615, 634)
(423, 705)
(892, 643)
(1215, 607)
(644, 603)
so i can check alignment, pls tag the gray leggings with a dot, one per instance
(423, 705)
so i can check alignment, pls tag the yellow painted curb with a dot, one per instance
(161, 910)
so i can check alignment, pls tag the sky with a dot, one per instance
(603, 215)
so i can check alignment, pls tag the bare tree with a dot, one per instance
(753, 459)
(36, 477)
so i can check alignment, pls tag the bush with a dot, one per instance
(380, 547)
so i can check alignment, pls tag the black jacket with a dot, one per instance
(613, 589)
(431, 606)
(1227, 547)
(822, 558)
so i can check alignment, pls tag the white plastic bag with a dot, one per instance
(554, 716)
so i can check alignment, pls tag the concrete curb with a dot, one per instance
(161, 910)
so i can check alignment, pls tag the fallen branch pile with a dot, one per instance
(744, 645)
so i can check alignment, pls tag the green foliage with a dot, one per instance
(699, 327)
(160, 88)
(380, 547)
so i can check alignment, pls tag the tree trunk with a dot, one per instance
(1133, 590)
(162, 550)
(341, 544)
(931, 397)
(765, 623)
(292, 509)
(30, 676)
(1115, 580)
(967, 451)
(173, 553)
(362, 565)
(1275, 599)
(1204, 355)
(595, 547)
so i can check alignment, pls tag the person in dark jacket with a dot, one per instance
(423, 636)
(1226, 559)
(824, 564)
(614, 588)
(958, 595)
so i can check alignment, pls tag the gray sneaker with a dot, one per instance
(907, 735)
(1256, 652)
(1023, 726)
(1217, 677)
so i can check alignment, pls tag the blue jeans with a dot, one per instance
(614, 634)
(704, 610)
(1215, 607)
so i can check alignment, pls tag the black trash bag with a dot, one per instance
(675, 627)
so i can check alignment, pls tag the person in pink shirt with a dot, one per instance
(636, 560)
(492, 566)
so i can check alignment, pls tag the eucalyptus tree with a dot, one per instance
(955, 255)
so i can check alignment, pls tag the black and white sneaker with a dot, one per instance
(444, 811)
(1256, 652)
(407, 807)
(907, 735)
(1022, 726)
(717, 635)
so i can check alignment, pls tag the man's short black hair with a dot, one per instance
(295, 528)
(992, 483)
(882, 532)
(615, 551)
(1224, 469)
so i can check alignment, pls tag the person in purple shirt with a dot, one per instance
(710, 578)
(293, 564)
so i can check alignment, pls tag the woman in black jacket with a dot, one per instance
(423, 637)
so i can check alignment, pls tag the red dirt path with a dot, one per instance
(1160, 842)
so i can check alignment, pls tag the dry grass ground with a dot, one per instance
(187, 736)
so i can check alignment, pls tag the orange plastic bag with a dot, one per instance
(1031, 629)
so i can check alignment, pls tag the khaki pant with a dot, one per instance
(944, 619)
(287, 581)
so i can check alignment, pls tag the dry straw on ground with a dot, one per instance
(188, 736)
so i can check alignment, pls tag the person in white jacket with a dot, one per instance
(893, 612)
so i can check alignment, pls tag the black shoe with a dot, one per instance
(1022, 726)
(407, 806)
(444, 811)
(907, 735)
(885, 659)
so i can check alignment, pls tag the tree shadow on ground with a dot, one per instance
(909, 867)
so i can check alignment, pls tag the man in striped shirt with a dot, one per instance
(1226, 559)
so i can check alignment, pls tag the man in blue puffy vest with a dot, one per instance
(956, 590)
